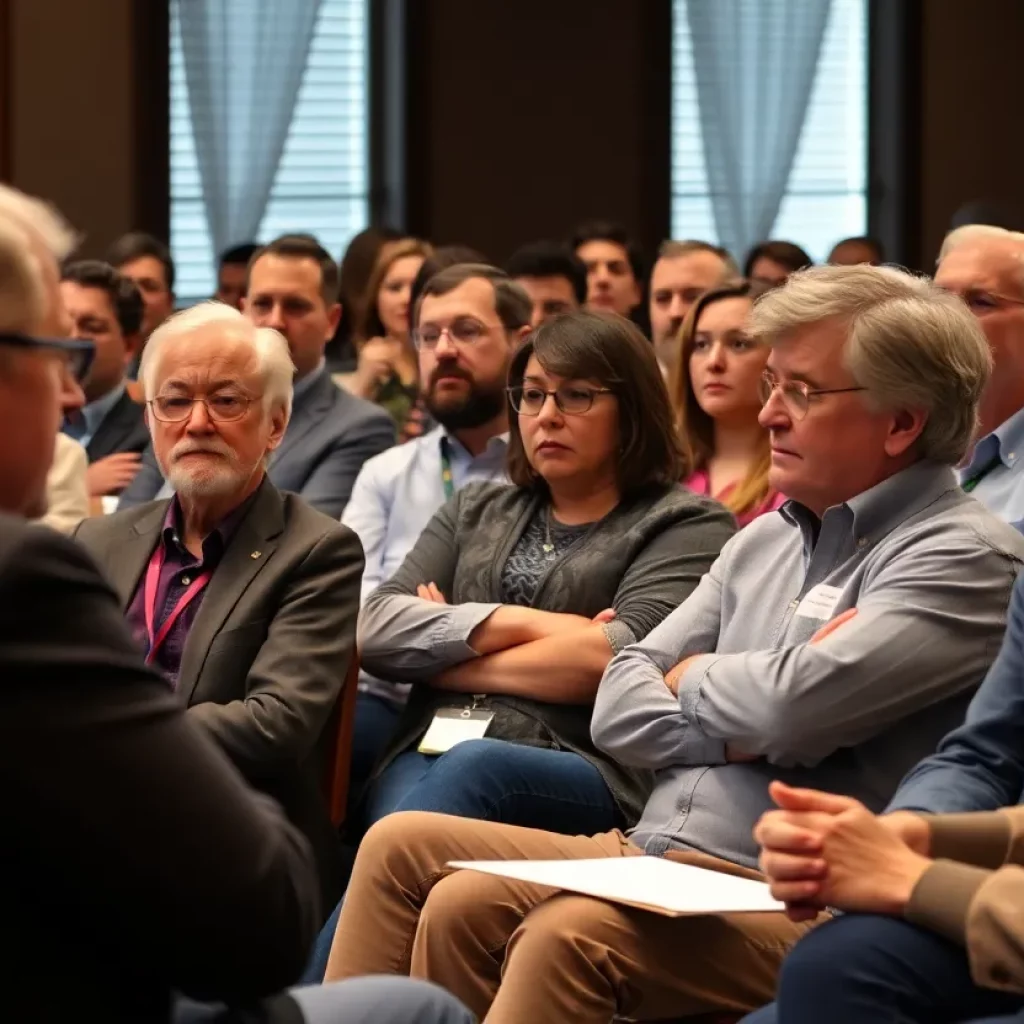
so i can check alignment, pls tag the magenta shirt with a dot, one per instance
(700, 483)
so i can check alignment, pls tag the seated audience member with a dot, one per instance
(937, 928)
(147, 262)
(717, 397)
(232, 271)
(851, 251)
(873, 383)
(293, 284)
(681, 274)
(386, 370)
(113, 856)
(244, 598)
(985, 267)
(770, 263)
(354, 271)
(615, 267)
(418, 421)
(67, 494)
(106, 308)
(588, 550)
(397, 492)
(554, 278)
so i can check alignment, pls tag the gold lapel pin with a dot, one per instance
(256, 554)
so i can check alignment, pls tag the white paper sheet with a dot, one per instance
(651, 883)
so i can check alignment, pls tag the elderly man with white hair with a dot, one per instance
(984, 265)
(831, 645)
(243, 597)
(127, 833)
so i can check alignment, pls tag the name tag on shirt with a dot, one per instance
(452, 726)
(820, 602)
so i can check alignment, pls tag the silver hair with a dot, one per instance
(270, 347)
(29, 229)
(673, 250)
(909, 344)
(974, 236)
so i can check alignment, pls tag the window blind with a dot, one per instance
(321, 186)
(826, 196)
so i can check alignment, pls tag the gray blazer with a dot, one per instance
(330, 435)
(269, 649)
(123, 429)
(644, 559)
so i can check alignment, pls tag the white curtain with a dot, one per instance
(244, 63)
(754, 63)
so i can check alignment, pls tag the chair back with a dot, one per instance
(339, 752)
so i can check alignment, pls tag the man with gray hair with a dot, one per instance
(984, 265)
(683, 272)
(830, 645)
(128, 830)
(244, 598)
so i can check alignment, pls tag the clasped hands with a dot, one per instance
(821, 850)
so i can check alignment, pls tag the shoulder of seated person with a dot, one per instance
(32, 547)
(117, 522)
(357, 409)
(302, 519)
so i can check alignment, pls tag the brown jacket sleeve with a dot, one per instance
(966, 901)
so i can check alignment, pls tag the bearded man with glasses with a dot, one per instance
(243, 597)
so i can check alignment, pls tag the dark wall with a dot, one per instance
(526, 118)
(972, 116)
(85, 101)
(523, 118)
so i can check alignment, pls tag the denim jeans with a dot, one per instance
(381, 1000)
(491, 780)
(862, 967)
(375, 722)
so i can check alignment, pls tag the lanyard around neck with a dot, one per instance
(447, 481)
(156, 564)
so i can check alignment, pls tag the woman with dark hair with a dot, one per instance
(354, 273)
(515, 598)
(387, 370)
(716, 393)
(770, 263)
(506, 612)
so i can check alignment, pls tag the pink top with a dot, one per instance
(700, 483)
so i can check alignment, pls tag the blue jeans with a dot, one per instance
(861, 967)
(382, 1000)
(490, 780)
(375, 722)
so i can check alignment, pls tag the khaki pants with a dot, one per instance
(519, 953)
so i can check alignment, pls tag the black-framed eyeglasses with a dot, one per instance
(77, 351)
(796, 394)
(220, 408)
(463, 330)
(571, 399)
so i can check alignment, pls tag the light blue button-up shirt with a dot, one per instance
(395, 496)
(1001, 487)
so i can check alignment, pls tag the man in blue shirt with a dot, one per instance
(106, 308)
(467, 324)
(866, 966)
(985, 266)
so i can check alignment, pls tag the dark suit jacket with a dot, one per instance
(270, 646)
(123, 429)
(138, 860)
(330, 435)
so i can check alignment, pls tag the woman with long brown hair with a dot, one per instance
(715, 392)
(387, 371)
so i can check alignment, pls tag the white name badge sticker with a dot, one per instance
(452, 726)
(820, 602)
